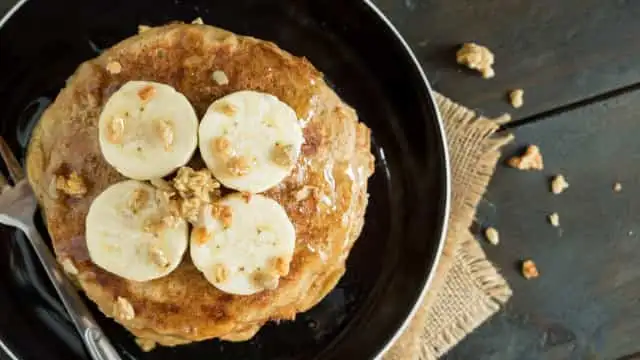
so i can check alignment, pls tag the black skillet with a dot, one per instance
(370, 67)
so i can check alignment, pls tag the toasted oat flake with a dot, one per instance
(283, 155)
(69, 267)
(158, 257)
(530, 160)
(200, 235)
(559, 184)
(617, 187)
(199, 184)
(146, 345)
(115, 130)
(164, 130)
(223, 213)
(220, 273)
(516, 97)
(492, 235)
(154, 225)
(238, 166)
(138, 200)
(190, 209)
(73, 185)
(529, 270)
(476, 57)
(123, 310)
(146, 93)
(114, 67)
(554, 219)
(220, 77)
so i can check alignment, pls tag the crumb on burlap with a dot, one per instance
(477, 57)
(529, 269)
(531, 159)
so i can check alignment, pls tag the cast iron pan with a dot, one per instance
(369, 66)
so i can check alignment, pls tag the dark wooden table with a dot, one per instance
(579, 64)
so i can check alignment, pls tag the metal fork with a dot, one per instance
(17, 209)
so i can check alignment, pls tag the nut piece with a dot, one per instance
(282, 155)
(476, 57)
(158, 257)
(221, 145)
(73, 185)
(196, 184)
(69, 267)
(226, 108)
(146, 345)
(220, 77)
(238, 166)
(143, 28)
(529, 270)
(617, 187)
(265, 280)
(559, 184)
(492, 235)
(138, 200)
(146, 93)
(554, 219)
(200, 235)
(164, 130)
(222, 213)
(530, 160)
(516, 98)
(114, 67)
(123, 310)
(220, 273)
(115, 130)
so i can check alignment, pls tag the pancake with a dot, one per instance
(325, 196)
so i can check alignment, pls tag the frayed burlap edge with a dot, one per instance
(467, 289)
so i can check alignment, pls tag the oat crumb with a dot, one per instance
(559, 184)
(265, 280)
(138, 200)
(198, 21)
(69, 267)
(222, 213)
(238, 166)
(617, 187)
(146, 93)
(200, 235)
(220, 273)
(283, 155)
(554, 219)
(114, 67)
(220, 77)
(73, 185)
(164, 130)
(530, 160)
(115, 130)
(476, 57)
(158, 257)
(143, 28)
(146, 345)
(123, 310)
(529, 270)
(516, 97)
(492, 235)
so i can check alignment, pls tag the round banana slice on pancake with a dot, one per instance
(130, 232)
(250, 140)
(247, 246)
(147, 130)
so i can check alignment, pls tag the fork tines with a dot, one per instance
(15, 170)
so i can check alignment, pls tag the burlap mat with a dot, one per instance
(467, 289)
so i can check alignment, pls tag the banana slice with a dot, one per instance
(130, 232)
(250, 140)
(247, 246)
(147, 130)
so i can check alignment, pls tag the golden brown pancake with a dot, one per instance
(336, 162)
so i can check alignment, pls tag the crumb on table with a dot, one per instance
(530, 160)
(516, 97)
(476, 57)
(559, 184)
(554, 219)
(529, 269)
(492, 235)
(617, 187)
